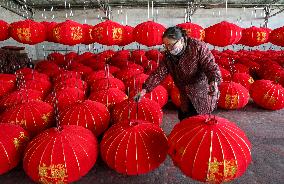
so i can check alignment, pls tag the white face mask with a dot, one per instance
(177, 48)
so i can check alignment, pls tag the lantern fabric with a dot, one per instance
(70, 83)
(168, 83)
(226, 75)
(13, 141)
(33, 116)
(134, 147)
(193, 30)
(232, 95)
(127, 74)
(28, 32)
(97, 75)
(212, 150)
(87, 32)
(107, 83)
(175, 96)
(155, 55)
(68, 33)
(127, 37)
(244, 79)
(57, 57)
(267, 94)
(145, 109)
(61, 155)
(89, 114)
(223, 34)
(4, 29)
(43, 86)
(108, 33)
(254, 36)
(277, 36)
(6, 87)
(49, 30)
(149, 33)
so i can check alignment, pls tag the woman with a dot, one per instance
(193, 69)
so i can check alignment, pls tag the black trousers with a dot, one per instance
(191, 112)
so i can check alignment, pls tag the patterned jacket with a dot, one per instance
(191, 72)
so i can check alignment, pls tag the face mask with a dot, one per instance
(176, 49)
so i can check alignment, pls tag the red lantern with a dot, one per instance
(43, 86)
(126, 74)
(223, 34)
(33, 116)
(175, 96)
(107, 83)
(168, 83)
(244, 79)
(68, 153)
(6, 87)
(4, 30)
(226, 75)
(66, 74)
(49, 30)
(88, 37)
(89, 114)
(267, 94)
(127, 37)
(20, 96)
(254, 36)
(149, 33)
(108, 97)
(136, 82)
(277, 36)
(212, 150)
(27, 32)
(13, 140)
(232, 95)
(97, 75)
(155, 55)
(193, 30)
(108, 33)
(68, 33)
(145, 109)
(65, 97)
(57, 57)
(70, 83)
(134, 147)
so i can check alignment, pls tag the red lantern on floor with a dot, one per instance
(68, 33)
(149, 33)
(232, 95)
(108, 33)
(97, 75)
(127, 37)
(88, 37)
(89, 114)
(168, 83)
(33, 116)
(13, 141)
(127, 74)
(43, 86)
(6, 87)
(254, 36)
(70, 83)
(154, 54)
(223, 34)
(226, 75)
(57, 57)
(134, 147)
(145, 109)
(107, 83)
(175, 96)
(193, 30)
(4, 30)
(267, 94)
(61, 155)
(244, 79)
(212, 150)
(28, 32)
(277, 36)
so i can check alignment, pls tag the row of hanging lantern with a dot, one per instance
(147, 33)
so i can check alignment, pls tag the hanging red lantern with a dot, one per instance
(13, 141)
(277, 36)
(89, 114)
(127, 37)
(193, 30)
(145, 109)
(134, 147)
(267, 94)
(108, 97)
(68, 33)
(232, 95)
(107, 83)
(149, 33)
(28, 32)
(33, 116)
(49, 30)
(69, 153)
(244, 79)
(211, 150)
(175, 96)
(4, 29)
(108, 33)
(87, 32)
(223, 34)
(254, 36)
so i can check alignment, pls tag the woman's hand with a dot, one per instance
(139, 95)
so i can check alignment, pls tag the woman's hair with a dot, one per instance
(175, 33)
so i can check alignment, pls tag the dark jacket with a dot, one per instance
(191, 72)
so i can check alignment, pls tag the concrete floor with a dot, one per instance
(265, 130)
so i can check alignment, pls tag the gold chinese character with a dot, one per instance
(56, 34)
(230, 169)
(213, 170)
(231, 102)
(202, 34)
(24, 34)
(45, 117)
(98, 32)
(77, 33)
(261, 36)
(117, 34)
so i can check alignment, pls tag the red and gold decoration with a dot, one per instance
(87, 32)
(89, 114)
(232, 95)
(127, 36)
(149, 33)
(277, 36)
(28, 32)
(49, 30)
(193, 30)
(108, 33)
(254, 36)
(13, 141)
(267, 94)
(33, 116)
(134, 147)
(4, 30)
(68, 33)
(244, 79)
(223, 34)
(61, 155)
(212, 150)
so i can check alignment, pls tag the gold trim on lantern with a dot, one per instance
(24, 34)
(202, 34)
(45, 117)
(55, 173)
(117, 33)
(19, 141)
(260, 36)
(270, 99)
(231, 101)
(77, 33)
(98, 31)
